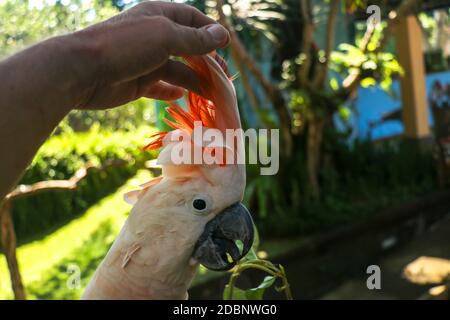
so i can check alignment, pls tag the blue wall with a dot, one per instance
(373, 102)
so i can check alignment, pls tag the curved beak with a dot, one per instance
(216, 248)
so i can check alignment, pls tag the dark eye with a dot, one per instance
(199, 204)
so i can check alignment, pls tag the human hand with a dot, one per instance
(129, 55)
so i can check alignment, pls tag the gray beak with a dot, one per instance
(216, 248)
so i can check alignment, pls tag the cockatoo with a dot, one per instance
(189, 215)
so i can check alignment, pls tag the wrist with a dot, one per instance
(83, 57)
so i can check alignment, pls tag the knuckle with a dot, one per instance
(163, 25)
(151, 7)
(184, 6)
(161, 29)
(203, 40)
(147, 8)
(160, 26)
(145, 5)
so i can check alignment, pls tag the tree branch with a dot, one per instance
(70, 184)
(329, 44)
(308, 32)
(8, 243)
(352, 80)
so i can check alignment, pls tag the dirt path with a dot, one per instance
(435, 242)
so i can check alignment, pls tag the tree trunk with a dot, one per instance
(321, 75)
(307, 40)
(8, 241)
(313, 154)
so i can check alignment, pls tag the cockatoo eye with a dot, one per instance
(200, 204)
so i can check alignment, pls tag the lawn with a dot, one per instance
(38, 258)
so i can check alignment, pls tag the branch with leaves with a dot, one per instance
(252, 262)
(351, 82)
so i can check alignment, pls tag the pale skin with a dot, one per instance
(103, 66)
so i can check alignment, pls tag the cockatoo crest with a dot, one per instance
(219, 112)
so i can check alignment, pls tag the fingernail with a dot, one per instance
(219, 33)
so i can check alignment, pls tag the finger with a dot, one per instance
(175, 73)
(180, 75)
(159, 38)
(179, 13)
(164, 91)
(196, 41)
(113, 96)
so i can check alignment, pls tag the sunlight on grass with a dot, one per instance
(37, 257)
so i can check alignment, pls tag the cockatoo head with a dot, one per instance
(197, 205)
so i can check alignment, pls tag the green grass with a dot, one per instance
(68, 278)
(38, 259)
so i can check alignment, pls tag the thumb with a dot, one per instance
(197, 41)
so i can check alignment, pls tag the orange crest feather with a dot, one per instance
(199, 109)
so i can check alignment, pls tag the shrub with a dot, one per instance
(59, 158)
(358, 180)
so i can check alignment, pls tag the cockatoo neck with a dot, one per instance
(140, 269)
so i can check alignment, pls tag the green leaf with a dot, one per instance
(238, 294)
(256, 240)
(251, 256)
(350, 48)
(345, 113)
(334, 84)
(249, 294)
(367, 82)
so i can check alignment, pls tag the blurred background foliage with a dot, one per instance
(60, 157)
(290, 76)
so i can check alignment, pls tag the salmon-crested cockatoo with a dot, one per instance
(192, 213)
